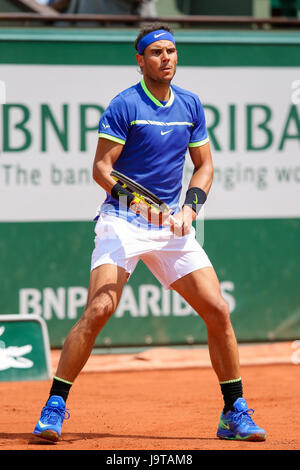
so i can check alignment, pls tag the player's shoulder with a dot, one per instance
(127, 96)
(186, 95)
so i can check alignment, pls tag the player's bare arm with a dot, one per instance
(203, 167)
(107, 153)
(202, 178)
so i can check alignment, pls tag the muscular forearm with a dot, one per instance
(202, 177)
(101, 174)
(199, 187)
(106, 155)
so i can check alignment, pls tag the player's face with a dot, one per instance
(159, 61)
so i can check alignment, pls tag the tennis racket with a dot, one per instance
(144, 194)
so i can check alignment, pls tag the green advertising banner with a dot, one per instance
(54, 86)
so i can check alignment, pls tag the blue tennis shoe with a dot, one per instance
(239, 425)
(51, 420)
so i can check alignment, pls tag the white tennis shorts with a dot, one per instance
(168, 257)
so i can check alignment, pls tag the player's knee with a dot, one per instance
(98, 312)
(218, 315)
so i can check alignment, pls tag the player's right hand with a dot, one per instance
(149, 213)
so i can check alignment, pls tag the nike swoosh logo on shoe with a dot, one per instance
(42, 425)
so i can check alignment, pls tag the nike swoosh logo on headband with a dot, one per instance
(157, 35)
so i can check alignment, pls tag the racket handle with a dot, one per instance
(175, 221)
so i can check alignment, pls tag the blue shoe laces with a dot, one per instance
(51, 414)
(244, 416)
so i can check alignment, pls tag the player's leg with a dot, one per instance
(202, 291)
(105, 288)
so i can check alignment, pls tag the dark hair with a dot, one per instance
(148, 28)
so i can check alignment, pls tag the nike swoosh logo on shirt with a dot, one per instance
(165, 132)
(195, 201)
(157, 35)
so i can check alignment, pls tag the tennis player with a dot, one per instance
(145, 133)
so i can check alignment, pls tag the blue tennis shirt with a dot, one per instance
(155, 136)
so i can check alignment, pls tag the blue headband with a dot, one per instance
(153, 37)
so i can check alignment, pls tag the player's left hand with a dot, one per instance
(185, 217)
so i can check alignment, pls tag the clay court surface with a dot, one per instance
(160, 399)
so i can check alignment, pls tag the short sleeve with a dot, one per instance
(114, 123)
(199, 135)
